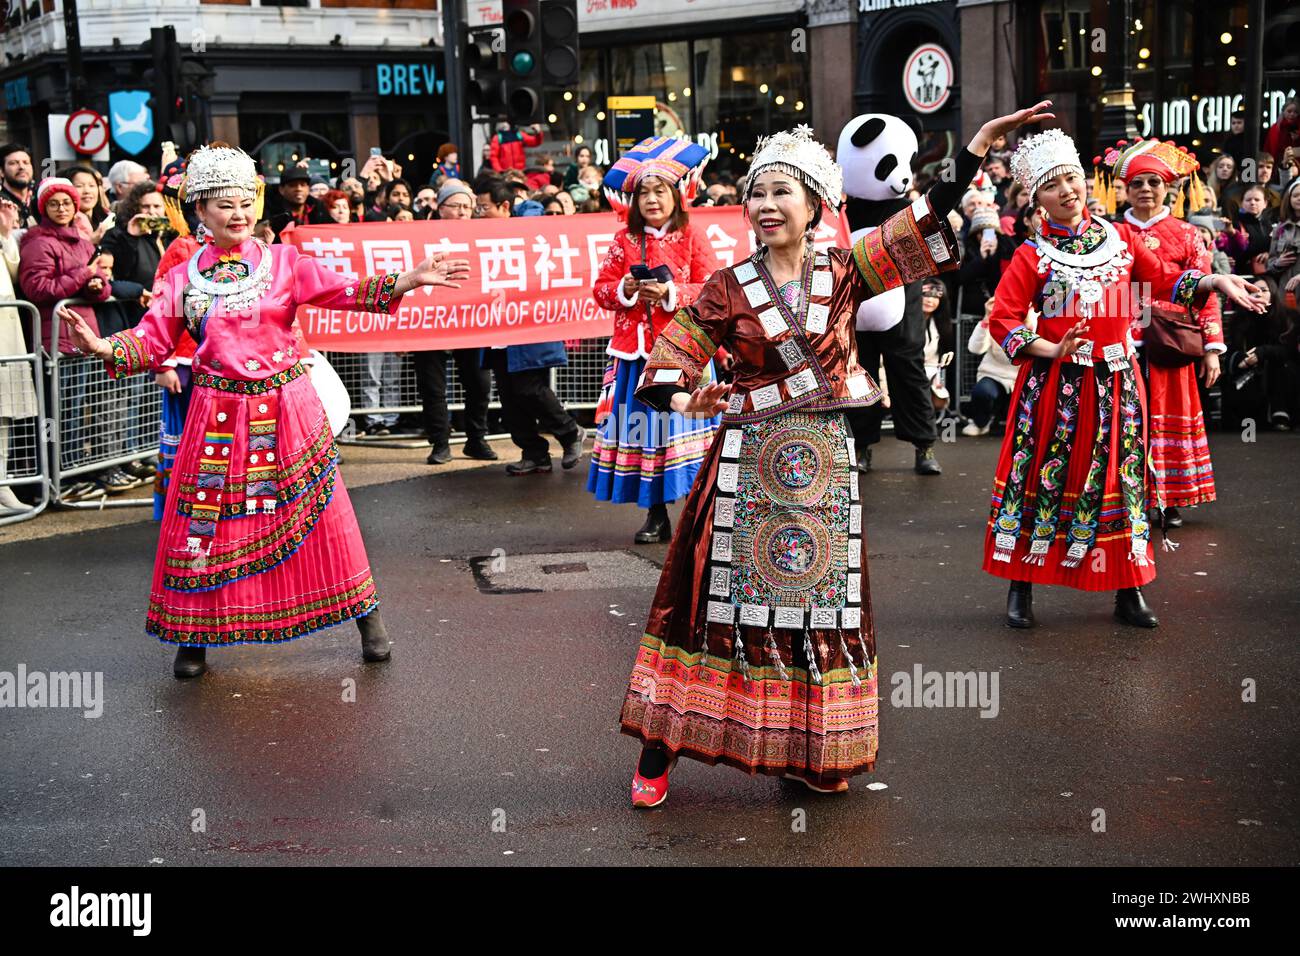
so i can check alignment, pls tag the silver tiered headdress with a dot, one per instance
(797, 153)
(1043, 156)
(216, 171)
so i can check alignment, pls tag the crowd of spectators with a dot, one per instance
(99, 238)
(1250, 226)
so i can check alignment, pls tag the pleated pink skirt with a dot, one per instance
(259, 543)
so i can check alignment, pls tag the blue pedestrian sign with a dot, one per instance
(131, 119)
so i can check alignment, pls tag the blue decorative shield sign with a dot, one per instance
(130, 119)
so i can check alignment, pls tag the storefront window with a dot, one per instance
(747, 86)
(661, 70)
(722, 91)
(1065, 35)
(577, 115)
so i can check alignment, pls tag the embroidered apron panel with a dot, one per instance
(792, 555)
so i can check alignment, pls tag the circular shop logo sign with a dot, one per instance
(927, 78)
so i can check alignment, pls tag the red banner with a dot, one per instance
(530, 277)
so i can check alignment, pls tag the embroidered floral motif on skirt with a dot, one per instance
(1070, 492)
(770, 665)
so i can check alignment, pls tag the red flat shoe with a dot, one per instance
(649, 792)
(841, 786)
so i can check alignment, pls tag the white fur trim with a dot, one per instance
(618, 292)
(670, 305)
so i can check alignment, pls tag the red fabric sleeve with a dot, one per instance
(1012, 300)
(318, 285)
(1169, 283)
(703, 262)
(612, 270)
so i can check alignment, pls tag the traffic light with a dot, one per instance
(178, 86)
(163, 78)
(560, 43)
(522, 22)
(484, 74)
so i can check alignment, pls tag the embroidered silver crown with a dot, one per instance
(1042, 156)
(797, 153)
(216, 171)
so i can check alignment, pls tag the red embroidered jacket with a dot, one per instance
(1023, 287)
(636, 326)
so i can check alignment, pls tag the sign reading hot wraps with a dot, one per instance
(530, 278)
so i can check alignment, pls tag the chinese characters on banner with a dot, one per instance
(530, 278)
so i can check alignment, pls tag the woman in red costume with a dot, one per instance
(1070, 491)
(1179, 452)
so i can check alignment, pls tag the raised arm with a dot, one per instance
(321, 286)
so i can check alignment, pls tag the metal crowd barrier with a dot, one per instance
(22, 459)
(98, 423)
(577, 384)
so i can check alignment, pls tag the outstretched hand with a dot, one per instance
(438, 269)
(704, 402)
(1072, 339)
(81, 336)
(1002, 125)
(1241, 293)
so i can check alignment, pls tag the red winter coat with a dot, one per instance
(684, 251)
(54, 266)
(510, 154)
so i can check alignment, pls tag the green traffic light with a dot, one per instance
(522, 63)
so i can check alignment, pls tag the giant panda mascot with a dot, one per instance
(876, 152)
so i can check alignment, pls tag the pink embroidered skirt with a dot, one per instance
(259, 543)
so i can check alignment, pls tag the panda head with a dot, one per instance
(877, 151)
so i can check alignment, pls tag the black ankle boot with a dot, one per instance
(374, 637)
(1173, 518)
(926, 463)
(1020, 604)
(190, 662)
(1131, 608)
(657, 527)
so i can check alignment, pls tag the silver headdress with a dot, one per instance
(796, 152)
(1043, 156)
(216, 171)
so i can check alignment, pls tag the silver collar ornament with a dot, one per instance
(1087, 274)
(237, 296)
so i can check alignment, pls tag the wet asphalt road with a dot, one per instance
(491, 736)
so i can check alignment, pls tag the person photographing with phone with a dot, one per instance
(654, 266)
(58, 262)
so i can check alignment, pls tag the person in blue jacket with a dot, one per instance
(523, 373)
(530, 407)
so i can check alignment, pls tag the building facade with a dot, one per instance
(322, 78)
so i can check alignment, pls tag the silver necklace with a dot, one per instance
(237, 296)
(1087, 273)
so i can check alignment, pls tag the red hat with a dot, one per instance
(52, 185)
(1169, 161)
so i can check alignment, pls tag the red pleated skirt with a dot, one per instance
(1070, 492)
(1180, 452)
